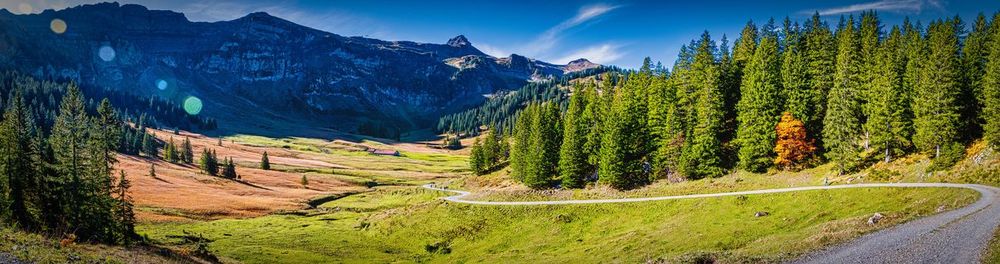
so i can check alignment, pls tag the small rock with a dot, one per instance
(761, 214)
(940, 209)
(874, 219)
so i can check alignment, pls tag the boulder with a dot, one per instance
(874, 219)
(761, 214)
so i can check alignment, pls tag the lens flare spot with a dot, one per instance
(192, 105)
(25, 8)
(161, 84)
(58, 26)
(106, 53)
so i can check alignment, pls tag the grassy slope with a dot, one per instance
(35, 248)
(399, 224)
(993, 251)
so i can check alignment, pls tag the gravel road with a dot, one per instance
(956, 236)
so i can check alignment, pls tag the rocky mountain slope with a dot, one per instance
(261, 64)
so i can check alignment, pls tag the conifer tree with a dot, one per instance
(124, 209)
(229, 169)
(758, 107)
(991, 89)
(265, 163)
(870, 32)
(521, 152)
(21, 185)
(821, 56)
(187, 152)
(170, 152)
(888, 123)
(149, 145)
(841, 127)
(796, 93)
(935, 106)
(702, 150)
(476, 158)
(152, 170)
(975, 56)
(573, 165)
(626, 145)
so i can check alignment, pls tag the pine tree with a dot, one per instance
(793, 146)
(229, 169)
(69, 142)
(170, 152)
(545, 143)
(21, 186)
(935, 106)
(841, 126)
(870, 32)
(208, 163)
(304, 181)
(888, 123)
(990, 88)
(187, 153)
(758, 108)
(626, 144)
(152, 170)
(975, 56)
(149, 145)
(521, 152)
(573, 166)
(821, 56)
(124, 209)
(796, 92)
(702, 149)
(265, 163)
(476, 158)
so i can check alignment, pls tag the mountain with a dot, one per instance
(261, 65)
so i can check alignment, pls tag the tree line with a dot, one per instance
(790, 95)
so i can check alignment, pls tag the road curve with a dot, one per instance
(956, 236)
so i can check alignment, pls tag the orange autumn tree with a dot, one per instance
(792, 146)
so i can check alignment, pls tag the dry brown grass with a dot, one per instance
(182, 192)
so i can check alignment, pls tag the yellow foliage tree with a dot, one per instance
(792, 146)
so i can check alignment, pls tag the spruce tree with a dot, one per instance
(573, 165)
(521, 152)
(124, 214)
(935, 105)
(229, 169)
(149, 145)
(265, 163)
(758, 107)
(870, 32)
(187, 152)
(821, 56)
(170, 152)
(842, 124)
(887, 122)
(975, 56)
(476, 158)
(990, 88)
(796, 94)
(702, 149)
(21, 186)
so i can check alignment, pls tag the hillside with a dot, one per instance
(263, 65)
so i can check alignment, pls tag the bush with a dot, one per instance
(883, 175)
(950, 154)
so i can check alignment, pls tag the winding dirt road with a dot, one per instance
(956, 236)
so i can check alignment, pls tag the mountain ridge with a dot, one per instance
(263, 63)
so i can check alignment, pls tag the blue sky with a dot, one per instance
(616, 32)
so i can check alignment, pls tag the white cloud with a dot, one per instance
(492, 50)
(600, 54)
(550, 37)
(897, 6)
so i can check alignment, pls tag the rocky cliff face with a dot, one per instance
(261, 63)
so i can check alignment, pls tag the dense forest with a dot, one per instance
(787, 96)
(502, 107)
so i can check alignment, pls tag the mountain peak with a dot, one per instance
(459, 41)
(580, 61)
(258, 14)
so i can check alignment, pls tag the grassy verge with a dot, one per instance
(410, 225)
(992, 254)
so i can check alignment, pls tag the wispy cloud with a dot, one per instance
(601, 54)
(551, 37)
(492, 50)
(897, 6)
